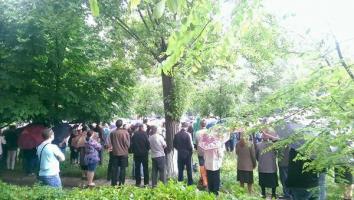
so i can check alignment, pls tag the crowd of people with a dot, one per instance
(87, 144)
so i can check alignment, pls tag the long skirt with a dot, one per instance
(268, 180)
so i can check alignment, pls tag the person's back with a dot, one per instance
(157, 145)
(197, 138)
(266, 160)
(182, 143)
(245, 156)
(297, 178)
(140, 144)
(120, 141)
(11, 139)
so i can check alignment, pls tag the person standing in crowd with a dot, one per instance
(246, 162)
(81, 147)
(132, 130)
(92, 148)
(140, 148)
(146, 122)
(98, 129)
(74, 154)
(303, 185)
(120, 142)
(183, 143)
(2, 142)
(11, 138)
(203, 176)
(283, 163)
(157, 144)
(267, 166)
(29, 160)
(49, 156)
(213, 161)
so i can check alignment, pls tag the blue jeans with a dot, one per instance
(305, 194)
(53, 181)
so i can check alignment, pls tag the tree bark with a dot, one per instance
(171, 124)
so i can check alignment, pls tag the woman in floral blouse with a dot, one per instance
(92, 146)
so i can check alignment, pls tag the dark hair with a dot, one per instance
(203, 123)
(89, 134)
(153, 129)
(47, 133)
(119, 123)
(145, 121)
(85, 128)
(185, 125)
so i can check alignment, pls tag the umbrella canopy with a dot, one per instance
(214, 138)
(61, 131)
(287, 129)
(31, 136)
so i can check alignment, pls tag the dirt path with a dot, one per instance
(68, 182)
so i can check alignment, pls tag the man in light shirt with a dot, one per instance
(203, 177)
(49, 157)
(157, 145)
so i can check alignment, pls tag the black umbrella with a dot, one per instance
(61, 131)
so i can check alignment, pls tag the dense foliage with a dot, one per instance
(53, 68)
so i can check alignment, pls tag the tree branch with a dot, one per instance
(339, 52)
(341, 107)
(142, 18)
(150, 16)
(137, 38)
(201, 32)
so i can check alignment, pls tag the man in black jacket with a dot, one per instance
(303, 184)
(140, 147)
(183, 143)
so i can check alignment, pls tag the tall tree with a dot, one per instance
(163, 34)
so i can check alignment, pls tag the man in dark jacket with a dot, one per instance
(303, 185)
(183, 143)
(140, 147)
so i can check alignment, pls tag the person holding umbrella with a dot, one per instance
(49, 156)
(212, 144)
(29, 139)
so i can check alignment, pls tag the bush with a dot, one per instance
(171, 190)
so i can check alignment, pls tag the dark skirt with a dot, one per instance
(245, 176)
(343, 175)
(268, 180)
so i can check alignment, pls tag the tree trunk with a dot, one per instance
(171, 124)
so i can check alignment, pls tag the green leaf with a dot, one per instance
(94, 8)
(159, 9)
(172, 5)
